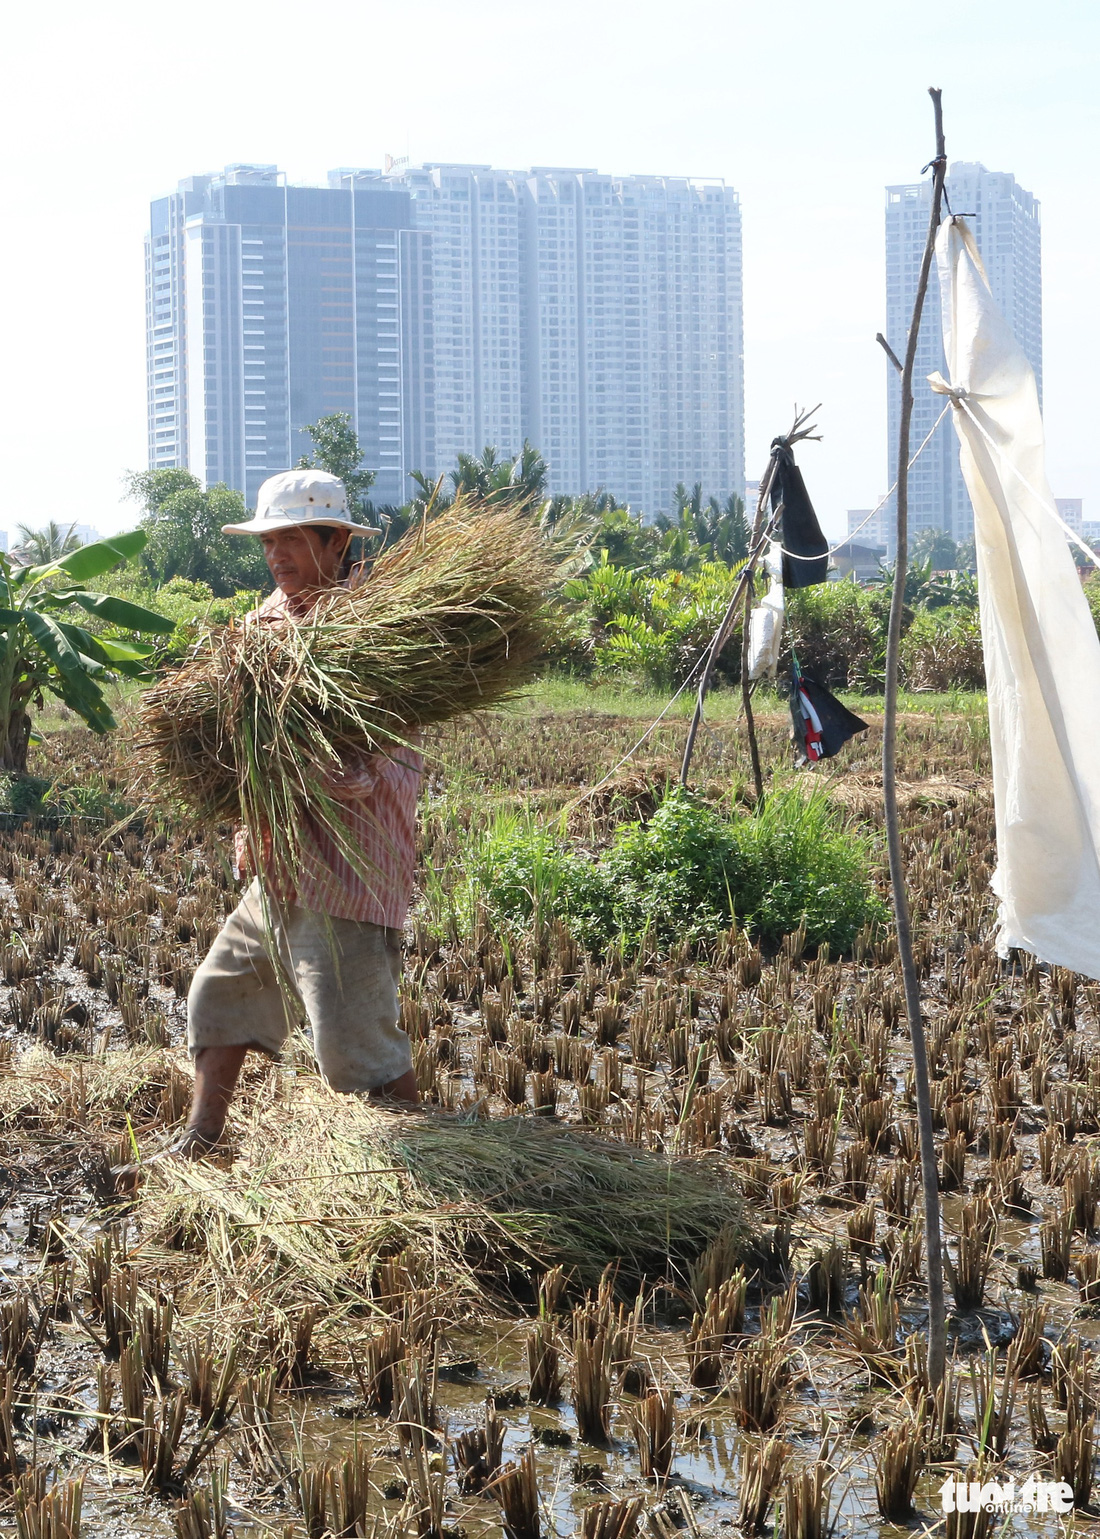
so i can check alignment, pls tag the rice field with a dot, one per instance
(650, 1261)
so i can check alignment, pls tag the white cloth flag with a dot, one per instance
(1042, 655)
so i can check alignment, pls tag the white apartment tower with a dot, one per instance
(1005, 221)
(448, 308)
(597, 317)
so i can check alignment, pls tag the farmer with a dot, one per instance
(339, 928)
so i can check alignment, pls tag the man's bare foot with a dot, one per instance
(384, 1100)
(192, 1145)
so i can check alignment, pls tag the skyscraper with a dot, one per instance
(447, 308)
(1005, 221)
(269, 306)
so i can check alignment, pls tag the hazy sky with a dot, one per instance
(808, 109)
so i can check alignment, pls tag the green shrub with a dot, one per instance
(33, 797)
(675, 876)
(192, 605)
(520, 870)
(798, 861)
(687, 873)
(838, 631)
(1091, 588)
(655, 629)
(195, 607)
(21, 795)
(942, 650)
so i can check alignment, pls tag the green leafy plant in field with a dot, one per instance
(655, 629)
(797, 862)
(838, 631)
(677, 874)
(522, 870)
(194, 607)
(44, 651)
(36, 798)
(688, 872)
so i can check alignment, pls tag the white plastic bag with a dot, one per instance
(766, 621)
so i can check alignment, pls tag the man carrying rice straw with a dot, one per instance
(337, 923)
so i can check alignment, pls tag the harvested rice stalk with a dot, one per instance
(202, 1515)
(544, 1364)
(612, 1520)
(764, 1461)
(899, 1459)
(452, 619)
(330, 1187)
(807, 1509)
(654, 1426)
(478, 1452)
(518, 1493)
(48, 1514)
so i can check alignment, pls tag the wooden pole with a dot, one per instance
(746, 617)
(937, 1319)
(722, 634)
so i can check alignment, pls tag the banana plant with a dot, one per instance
(42, 651)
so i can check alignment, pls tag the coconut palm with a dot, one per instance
(38, 547)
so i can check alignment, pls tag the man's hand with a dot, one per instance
(245, 853)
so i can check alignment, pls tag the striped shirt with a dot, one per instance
(377, 794)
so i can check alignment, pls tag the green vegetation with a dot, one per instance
(195, 608)
(36, 799)
(36, 547)
(43, 653)
(183, 526)
(688, 872)
(653, 628)
(336, 449)
(646, 595)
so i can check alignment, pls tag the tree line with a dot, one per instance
(183, 522)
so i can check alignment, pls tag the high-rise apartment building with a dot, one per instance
(1071, 510)
(269, 306)
(597, 317)
(1005, 221)
(447, 308)
(870, 527)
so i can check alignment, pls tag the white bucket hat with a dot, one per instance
(300, 497)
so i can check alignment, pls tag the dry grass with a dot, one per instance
(327, 1187)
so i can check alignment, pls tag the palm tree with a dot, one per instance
(502, 480)
(718, 531)
(38, 547)
(936, 546)
(724, 527)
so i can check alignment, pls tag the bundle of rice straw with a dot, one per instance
(452, 619)
(327, 1186)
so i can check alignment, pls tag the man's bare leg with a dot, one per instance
(216, 1073)
(403, 1090)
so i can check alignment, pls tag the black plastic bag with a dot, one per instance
(805, 548)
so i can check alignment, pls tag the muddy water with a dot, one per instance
(324, 1424)
(831, 1398)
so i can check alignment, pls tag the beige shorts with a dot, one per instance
(345, 975)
